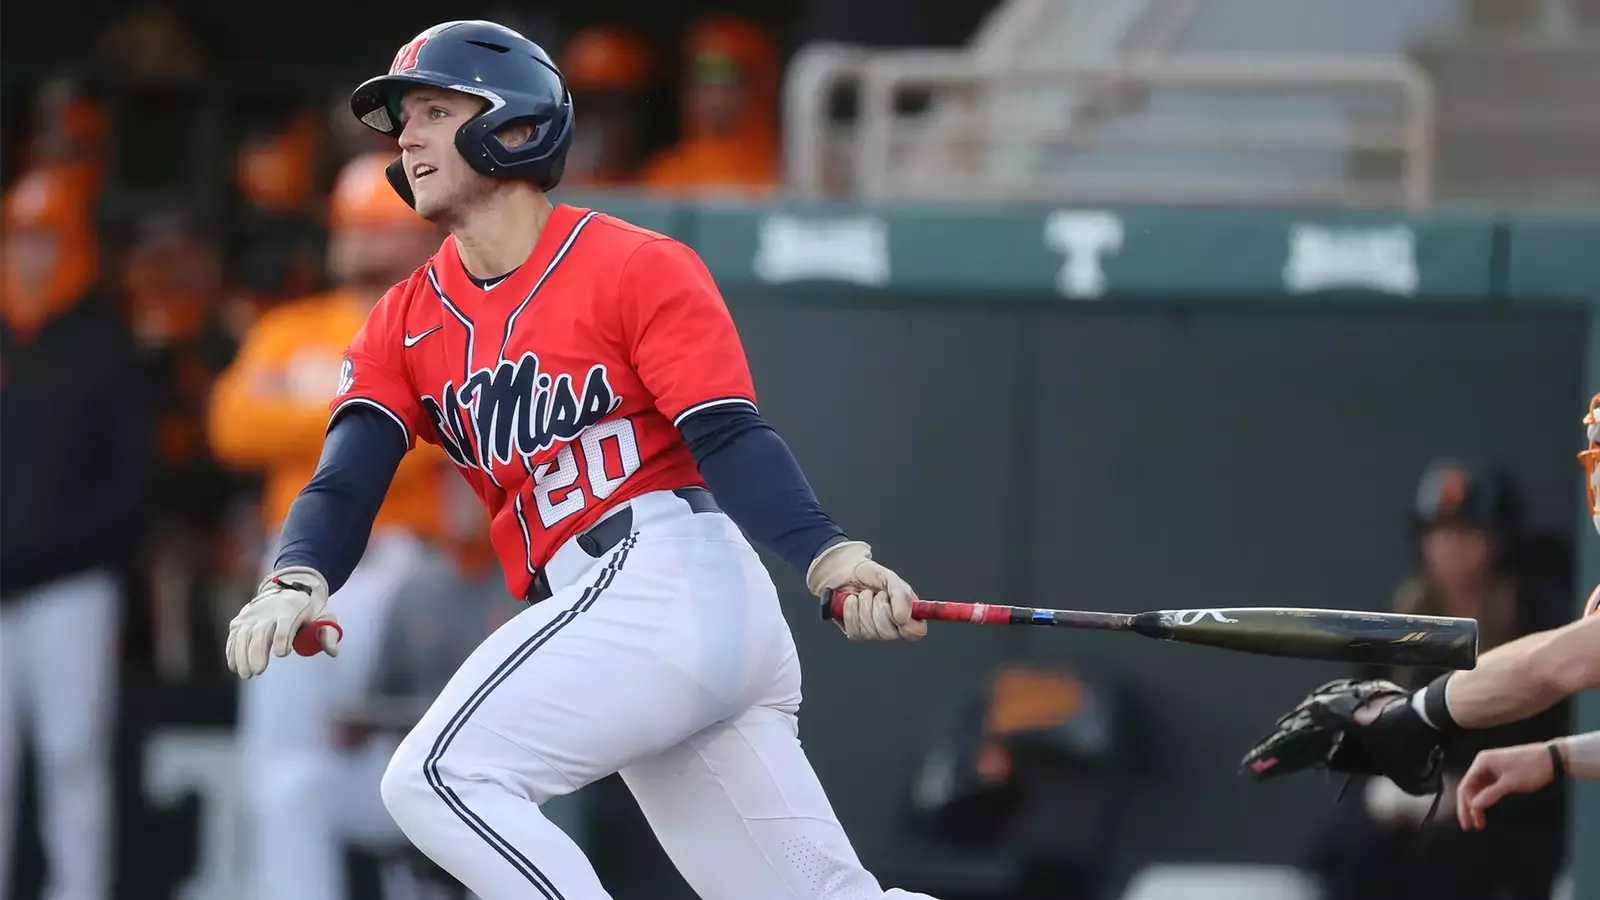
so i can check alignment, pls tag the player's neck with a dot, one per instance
(500, 234)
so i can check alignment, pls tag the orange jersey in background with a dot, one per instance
(730, 135)
(269, 412)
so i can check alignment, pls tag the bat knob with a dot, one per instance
(832, 604)
(307, 641)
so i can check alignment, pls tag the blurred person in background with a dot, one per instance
(77, 451)
(279, 232)
(70, 127)
(172, 282)
(153, 44)
(609, 70)
(276, 165)
(728, 141)
(1475, 561)
(268, 413)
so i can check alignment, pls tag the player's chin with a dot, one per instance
(431, 203)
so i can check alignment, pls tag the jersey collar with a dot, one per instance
(558, 228)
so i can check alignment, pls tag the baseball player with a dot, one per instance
(586, 378)
(1375, 728)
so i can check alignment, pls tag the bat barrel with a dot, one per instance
(1338, 635)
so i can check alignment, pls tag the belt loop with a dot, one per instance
(590, 544)
(538, 588)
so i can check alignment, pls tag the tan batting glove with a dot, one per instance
(879, 609)
(266, 626)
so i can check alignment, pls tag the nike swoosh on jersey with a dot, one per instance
(411, 340)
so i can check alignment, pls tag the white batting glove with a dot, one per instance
(286, 600)
(879, 607)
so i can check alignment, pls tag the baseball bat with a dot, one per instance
(1341, 635)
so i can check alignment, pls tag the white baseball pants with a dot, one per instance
(297, 814)
(58, 665)
(668, 660)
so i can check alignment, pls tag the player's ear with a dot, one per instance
(514, 135)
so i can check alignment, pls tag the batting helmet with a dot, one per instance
(517, 78)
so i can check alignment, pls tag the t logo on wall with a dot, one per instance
(1380, 259)
(1085, 237)
(204, 763)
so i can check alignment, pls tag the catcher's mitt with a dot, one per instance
(1322, 732)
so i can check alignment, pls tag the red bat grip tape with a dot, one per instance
(932, 610)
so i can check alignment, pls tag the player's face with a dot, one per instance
(441, 181)
(717, 107)
(1456, 556)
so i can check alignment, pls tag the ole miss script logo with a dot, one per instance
(516, 411)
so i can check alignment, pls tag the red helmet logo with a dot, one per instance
(406, 59)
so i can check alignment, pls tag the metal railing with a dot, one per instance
(889, 154)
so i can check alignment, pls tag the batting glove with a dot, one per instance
(287, 600)
(879, 607)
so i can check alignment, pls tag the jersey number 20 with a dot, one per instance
(554, 479)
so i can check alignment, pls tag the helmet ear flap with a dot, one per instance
(395, 172)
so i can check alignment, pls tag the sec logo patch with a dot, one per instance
(347, 377)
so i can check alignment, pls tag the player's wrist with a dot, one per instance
(1410, 749)
(834, 565)
(295, 573)
(1558, 760)
(824, 547)
(300, 579)
(1432, 705)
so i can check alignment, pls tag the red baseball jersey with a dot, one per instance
(556, 391)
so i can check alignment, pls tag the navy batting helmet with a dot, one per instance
(516, 77)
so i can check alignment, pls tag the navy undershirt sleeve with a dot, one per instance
(329, 523)
(758, 483)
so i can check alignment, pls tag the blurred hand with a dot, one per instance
(1522, 769)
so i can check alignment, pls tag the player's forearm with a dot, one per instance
(1524, 677)
(329, 523)
(1581, 752)
(758, 483)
